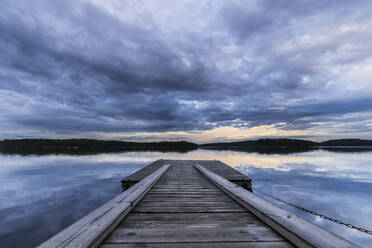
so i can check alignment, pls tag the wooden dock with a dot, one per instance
(185, 203)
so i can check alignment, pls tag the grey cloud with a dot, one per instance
(75, 66)
(246, 23)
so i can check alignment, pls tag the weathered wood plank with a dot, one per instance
(180, 191)
(191, 223)
(185, 187)
(186, 209)
(197, 234)
(299, 231)
(93, 228)
(166, 196)
(278, 244)
(200, 204)
(188, 216)
(193, 195)
(185, 199)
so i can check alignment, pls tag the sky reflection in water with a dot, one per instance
(40, 195)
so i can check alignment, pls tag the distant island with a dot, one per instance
(290, 143)
(269, 146)
(88, 146)
(92, 146)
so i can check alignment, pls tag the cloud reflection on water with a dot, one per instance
(44, 194)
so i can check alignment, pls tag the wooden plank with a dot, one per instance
(158, 197)
(185, 190)
(198, 234)
(191, 195)
(228, 204)
(191, 223)
(299, 231)
(185, 199)
(175, 192)
(188, 216)
(184, 187)
(93, 228)
(278, 244)
(186, 209)
(175, 195)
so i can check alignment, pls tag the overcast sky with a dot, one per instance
(194, 70)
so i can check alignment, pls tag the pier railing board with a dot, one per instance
(295, 229)
(92, 229)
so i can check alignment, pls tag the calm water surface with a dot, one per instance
(41, 195)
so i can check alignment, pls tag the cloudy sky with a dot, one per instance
(195, 70)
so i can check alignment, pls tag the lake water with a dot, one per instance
(41, 195)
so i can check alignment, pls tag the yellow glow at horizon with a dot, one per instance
(234, 133)
(214, 135)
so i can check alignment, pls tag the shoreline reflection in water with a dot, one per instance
(41, 195)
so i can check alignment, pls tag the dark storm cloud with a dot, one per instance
(77, 66)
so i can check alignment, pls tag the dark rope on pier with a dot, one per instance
(361, 229)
